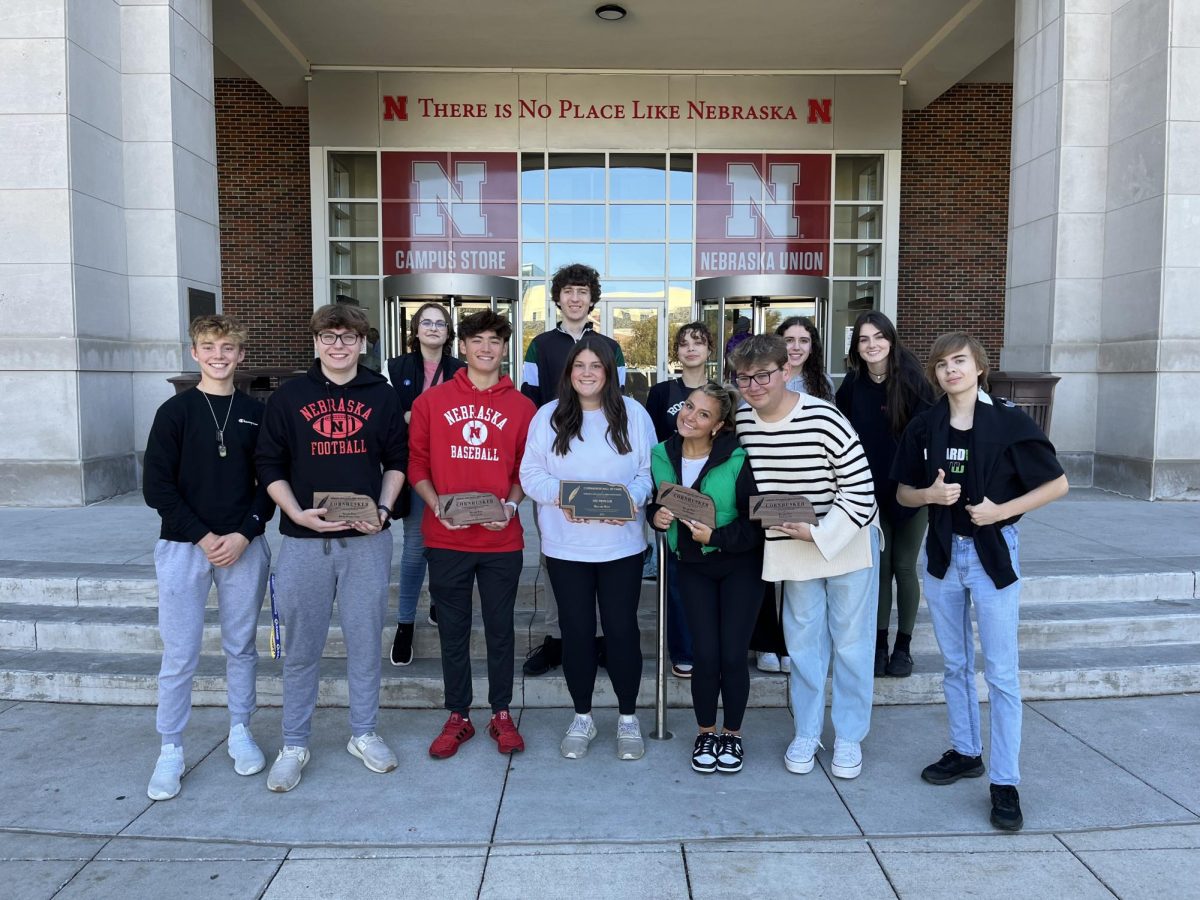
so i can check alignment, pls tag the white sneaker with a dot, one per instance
(629, 739)
(801, 755)
(164, 783)
(247, 758)
(767, 662)
(578, 737)
(785, 665)
(285, 771)
(375, 754)
(847, 759)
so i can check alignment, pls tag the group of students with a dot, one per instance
(881, 462)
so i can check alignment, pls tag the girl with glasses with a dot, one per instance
(429, 361)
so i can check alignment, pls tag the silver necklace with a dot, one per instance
(220, 427)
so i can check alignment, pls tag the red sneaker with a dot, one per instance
(455, 733)
(504, 732)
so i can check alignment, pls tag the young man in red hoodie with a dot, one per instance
(468, 434)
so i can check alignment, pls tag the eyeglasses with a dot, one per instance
(349, 339)
(758, 378)
(436, 325)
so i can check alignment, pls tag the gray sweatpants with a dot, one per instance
(185, 577)
(310, 573)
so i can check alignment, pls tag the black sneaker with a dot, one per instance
(432, 613)
(729, 754)
(1006, 808)
(402, 651)
(544, 658)
(881, 661)
(704, 753)
(900, 665)
(953, 766)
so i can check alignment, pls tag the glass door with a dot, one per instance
(732, 306)
(635, 325)
(461, 294)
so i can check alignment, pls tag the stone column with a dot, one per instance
(107, 215)
(1104, 238)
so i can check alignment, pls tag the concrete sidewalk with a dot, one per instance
(1111, 795)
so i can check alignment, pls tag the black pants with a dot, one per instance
(617, 586)
(722, 596)
(452, 575)
(768, 630)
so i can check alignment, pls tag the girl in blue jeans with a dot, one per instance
(429, 361)
(985, 463)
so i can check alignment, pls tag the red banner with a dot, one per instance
(762, 213)
(449, 212)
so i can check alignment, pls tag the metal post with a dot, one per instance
(660, 732)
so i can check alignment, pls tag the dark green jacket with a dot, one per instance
(727, 479)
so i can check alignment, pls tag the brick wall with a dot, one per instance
(954, 217)
(266, 244)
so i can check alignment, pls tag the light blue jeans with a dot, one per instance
(950, 600)
(412, 562)
(833, 615)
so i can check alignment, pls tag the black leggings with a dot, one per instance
(617, 586)
(722, 596)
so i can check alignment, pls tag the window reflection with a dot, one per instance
(576, 222)
(636, 259)
(588, 254)
(576, 176)
(641, 222)
(637, 176)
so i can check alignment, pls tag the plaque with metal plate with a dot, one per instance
(688, 504)
(471, 508)
(344, 506)
(776, 509)
(596, 500)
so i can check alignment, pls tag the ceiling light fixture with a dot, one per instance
(610, 12)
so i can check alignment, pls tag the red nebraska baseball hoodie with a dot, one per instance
(464, 439)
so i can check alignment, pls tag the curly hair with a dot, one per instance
(576, 274)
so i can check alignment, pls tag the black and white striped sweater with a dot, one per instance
(815, 452)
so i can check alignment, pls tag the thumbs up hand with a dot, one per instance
(941, 494)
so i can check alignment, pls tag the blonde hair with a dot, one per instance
(218, 327)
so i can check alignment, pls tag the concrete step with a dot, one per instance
(1044, 626)
(130, 679)
(94, 584)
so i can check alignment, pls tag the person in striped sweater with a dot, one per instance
(798, 444)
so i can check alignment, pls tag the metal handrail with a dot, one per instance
(660, 732)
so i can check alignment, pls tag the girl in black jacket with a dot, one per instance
(883, 389)
(430, 361)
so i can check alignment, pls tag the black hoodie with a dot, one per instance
(1009, 457)
(321, 436)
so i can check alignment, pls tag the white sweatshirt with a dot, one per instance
(591, 457)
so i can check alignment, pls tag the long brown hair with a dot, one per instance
(905, 379)
(813, 370)
(567, 418)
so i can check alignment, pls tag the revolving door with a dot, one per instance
(462, 295)
(757, 304)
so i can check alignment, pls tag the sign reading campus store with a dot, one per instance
(762, 213)
(449, 212)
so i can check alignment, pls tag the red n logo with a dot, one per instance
(397, 108)
(820, 111)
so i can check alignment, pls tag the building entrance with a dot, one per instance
(758, 304)
(461, 294)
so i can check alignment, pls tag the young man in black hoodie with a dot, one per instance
(199, 475)
(575, 290)
(338, 428)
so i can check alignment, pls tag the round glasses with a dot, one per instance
(436, 325)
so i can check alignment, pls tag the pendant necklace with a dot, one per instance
(221, 451)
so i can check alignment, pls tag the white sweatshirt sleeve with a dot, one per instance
(536, 480)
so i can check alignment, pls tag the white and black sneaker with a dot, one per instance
(704, 753)
(729, 754)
